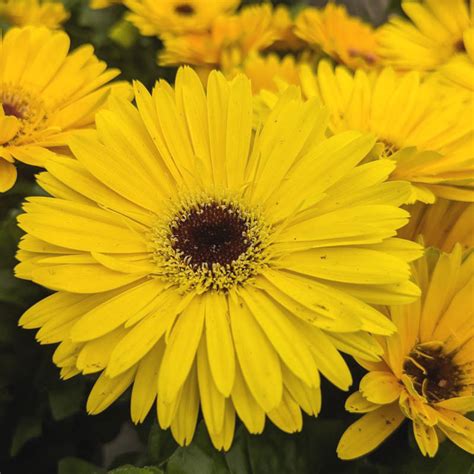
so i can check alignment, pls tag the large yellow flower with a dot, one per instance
(45, 94)
(347, 39)
(153, 17)
(33, 12)
(432, 35)
(442, 224)
(211, 265)
(427, 373)
(404, 112)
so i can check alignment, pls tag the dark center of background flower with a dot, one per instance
(434, 373)
(459, 46)
(11, 110)
(211, 233)
(184, 9)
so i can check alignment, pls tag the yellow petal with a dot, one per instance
(181, 350)
(7, 175)
(283, 334)
(426, 438)
(287, 415)
(106, 390)
(258, 359)
(185, 419)
(220, 346)
(380, 387)
(144, 385)
(356, 403)
(249, 411)
(115, 311)
(369, 432)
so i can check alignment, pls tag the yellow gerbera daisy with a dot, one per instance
(427, 372)
(33, 12)
(45, 93)
(210, 265)
(231, 39)
(153, 17)
(442, 224)
(345, 38)
(404, 112)
(459, 71)
(432, 37)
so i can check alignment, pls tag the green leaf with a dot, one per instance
(161, 444)
(66, 399)
(200, 457)
(78, 466)
(237, 458)
(128, 469)
(27, 428)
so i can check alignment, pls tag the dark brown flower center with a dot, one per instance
(459, 46)
(11, 110)
(434, 374)
(184, 9)
(211, 233)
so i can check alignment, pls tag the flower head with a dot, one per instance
(427, 370)
(347, 39)
(428, 135)
(50, 14)
(229, 42)
(40, 106)
(212, 265)
(153, 17)
(431, 36)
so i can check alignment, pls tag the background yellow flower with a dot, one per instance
(45, 94)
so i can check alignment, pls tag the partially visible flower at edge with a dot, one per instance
(427, 372)
(431, 36)
(45, 94)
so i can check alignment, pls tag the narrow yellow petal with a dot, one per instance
(181, 350)
(258, 359)
(369, 432)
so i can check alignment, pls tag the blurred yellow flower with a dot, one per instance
(154, 17)
(45, 94)
(267, 72)
(211, 265)
(431, 36)
(427, 372)
(442, 224)
(48, 13)
(459, 71)
(347, 39)
(231, 39)
(404, 112)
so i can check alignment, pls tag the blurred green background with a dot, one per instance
(44, 428)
